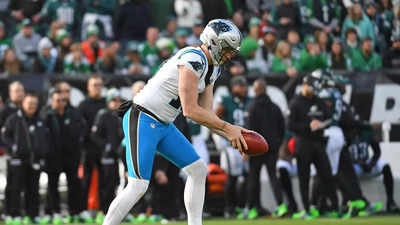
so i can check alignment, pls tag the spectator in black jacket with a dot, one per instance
(132, 21)
(264, 117)
(21, 9)
(66, 128)
(288, 17)
(16, 93)
(26, 138)
(92, 156)
(107, 134)
(391, 58)
(307, 114)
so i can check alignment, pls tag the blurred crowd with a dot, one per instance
(76, 37)
(107, 37)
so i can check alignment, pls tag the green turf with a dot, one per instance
(379, 220)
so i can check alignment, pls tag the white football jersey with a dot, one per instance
(160, 94)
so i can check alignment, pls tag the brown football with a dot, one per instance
(256, 144)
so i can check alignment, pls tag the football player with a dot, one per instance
(184, 83)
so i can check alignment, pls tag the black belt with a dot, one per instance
(143, 109)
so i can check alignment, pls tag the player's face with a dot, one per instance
(307, 90)
(114, 104)
(17, 93)
(58, 102)
(29, 105)
(95, 86)
(65, 90)
(228, 54)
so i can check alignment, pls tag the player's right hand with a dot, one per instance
(234, 135)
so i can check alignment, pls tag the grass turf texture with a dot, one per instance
(378, 220)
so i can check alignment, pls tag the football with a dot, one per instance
(256, 144)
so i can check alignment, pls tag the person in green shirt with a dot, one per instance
(99, 11)
(75, 63)
(366, 59)
(132, 63)
(148, 50)
(5, 43)
(65, 11)
(351, 42)
(283, 60)
(311, 57)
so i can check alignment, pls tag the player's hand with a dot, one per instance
(161, 177)
(315, 125)
(235, 137)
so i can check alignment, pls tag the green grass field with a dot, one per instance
(379, 220)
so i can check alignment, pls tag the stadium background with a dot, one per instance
(362, 90)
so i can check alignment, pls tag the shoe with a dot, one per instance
(314, 212)
(86, 217)
(302, 215)
(17, 221)
(141, 218)
(281, 210)
(67, 219)
(9, 220)
(129, 218)
(374, 208)
(43, 220)
(241, 213)
(56, 220)
(252, 214)
(27, 220)
(392, 207)
(154, 218)
(99, 218)
(76, 219)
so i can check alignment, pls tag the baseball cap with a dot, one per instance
(61, 34)
(254, 21)
(268, 30)
(112, 94)
(92, 30)
(26, 22)
(238, 80)
(181, 32)
(309, 39)
(132, 47)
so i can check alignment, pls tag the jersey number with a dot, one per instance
(176, 103)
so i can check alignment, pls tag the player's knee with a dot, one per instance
(137, 186)
(198, 169)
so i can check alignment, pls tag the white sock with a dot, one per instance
(125, 200)
(195, 191)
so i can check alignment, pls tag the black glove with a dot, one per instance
(125, 106)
